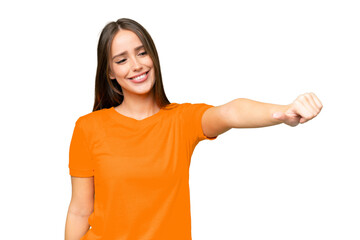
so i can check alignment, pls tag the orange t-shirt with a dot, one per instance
(140, 169)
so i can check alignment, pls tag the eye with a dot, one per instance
(121, 61)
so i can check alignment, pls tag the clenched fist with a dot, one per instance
(304, 108)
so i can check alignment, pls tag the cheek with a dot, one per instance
(149, 62)
(120, 72)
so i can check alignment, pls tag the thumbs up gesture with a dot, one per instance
(304, 108)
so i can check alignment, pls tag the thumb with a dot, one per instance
(289, 118)
(279, 116)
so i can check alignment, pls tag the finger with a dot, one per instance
(312, 104)
(301, 108)
(279, 115)
(303, 120)
(292, 120)
(289, 119)
(305, 99)
(317, 101)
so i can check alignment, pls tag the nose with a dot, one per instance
(136, 65)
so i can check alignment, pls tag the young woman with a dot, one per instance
(129, 158)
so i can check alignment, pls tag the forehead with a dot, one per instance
(124, 40)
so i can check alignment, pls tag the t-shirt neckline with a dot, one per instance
(124, 118)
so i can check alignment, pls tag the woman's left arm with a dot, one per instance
(246, 113)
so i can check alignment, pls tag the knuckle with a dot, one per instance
(309, 116)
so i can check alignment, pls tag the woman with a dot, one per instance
(129, 158)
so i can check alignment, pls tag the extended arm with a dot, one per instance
(246, 113)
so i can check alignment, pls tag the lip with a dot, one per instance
(137, 75)
(142, 80)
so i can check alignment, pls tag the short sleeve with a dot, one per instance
(80, 159)
(193, 114)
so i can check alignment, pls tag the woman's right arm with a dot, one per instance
(80, 208)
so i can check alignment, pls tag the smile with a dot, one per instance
(140, 78)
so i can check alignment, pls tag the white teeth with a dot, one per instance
(140, 77)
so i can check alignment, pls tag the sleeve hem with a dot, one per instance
(203, 136)
(81, 173)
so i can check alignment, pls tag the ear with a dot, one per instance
(111, 76)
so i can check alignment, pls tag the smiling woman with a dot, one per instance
(126, 50)
(133, 150)
(135, 156)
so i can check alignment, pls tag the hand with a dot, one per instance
(304, 108)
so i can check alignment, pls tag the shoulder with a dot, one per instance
(191, 111)
(177, 108)
(182, 106)
(92, 119)
(194, 107)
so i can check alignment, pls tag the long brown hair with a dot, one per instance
(108, 93)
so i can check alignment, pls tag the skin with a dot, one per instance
(139, 101)
(247, 113)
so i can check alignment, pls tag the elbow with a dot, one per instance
(83, 211)
(233, 110)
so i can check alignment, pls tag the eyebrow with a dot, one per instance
(123, 53)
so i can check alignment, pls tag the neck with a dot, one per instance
(138, 106)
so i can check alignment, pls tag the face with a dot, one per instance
(127, 60)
